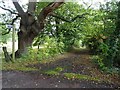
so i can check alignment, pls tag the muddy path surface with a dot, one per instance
(17, 79)
(76, 62)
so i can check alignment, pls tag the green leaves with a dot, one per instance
(79, 76)
(48, 48)
(4, 38)
(96, 31)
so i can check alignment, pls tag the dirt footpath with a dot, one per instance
(77, 62)
(17, 79)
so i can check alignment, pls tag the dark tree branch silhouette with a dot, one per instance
(12, 12)
(66, 20)
(11, 24)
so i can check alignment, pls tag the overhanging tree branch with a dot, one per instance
(31, 6)
(14, 20)
(8, 10)
(66, 20)
(52, 6)
(18, 7)
(11, 24)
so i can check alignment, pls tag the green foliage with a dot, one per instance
(40, 6)
(5, 18)
(55, 71)
(98, 31)
(49, 48)
(103, 38)
(4, 38)
(99, 62)
(67, 34)
(59, 69)
(70, 33)
(51, 72)
(104, 49)
(111, 50)
(79, 76)
(19, 65)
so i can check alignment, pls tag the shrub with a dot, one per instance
(50, 49)
(99, 62)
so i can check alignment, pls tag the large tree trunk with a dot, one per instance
(29, 26)
(28, 31)
(24, 41)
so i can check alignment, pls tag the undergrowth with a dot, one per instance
(97, 60)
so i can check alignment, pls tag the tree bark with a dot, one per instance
(29, 27)
(6, 54)
(24, 41)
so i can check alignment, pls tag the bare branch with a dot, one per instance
(18, 7)
(14, 20)
(31, 6)
(87, 4)
(8, 10)
(11, 24)
(66, 20)
(84, 3)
